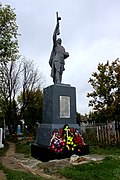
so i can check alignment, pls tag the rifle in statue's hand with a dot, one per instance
(58, 18)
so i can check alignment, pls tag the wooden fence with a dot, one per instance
(108, 134)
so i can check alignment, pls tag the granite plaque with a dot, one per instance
(64, 107)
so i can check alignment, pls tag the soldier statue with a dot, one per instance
(58, 56)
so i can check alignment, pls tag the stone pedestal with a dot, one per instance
(59, 109)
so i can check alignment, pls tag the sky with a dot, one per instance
(90, 32)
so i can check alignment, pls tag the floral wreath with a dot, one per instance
(67, 139)
(57, 143)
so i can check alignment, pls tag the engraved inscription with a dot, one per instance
(64, 107)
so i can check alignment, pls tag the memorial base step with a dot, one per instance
(45, 154)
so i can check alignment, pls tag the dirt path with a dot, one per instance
(9, 161)
(46, 170)
(18, 162)
(2, 175)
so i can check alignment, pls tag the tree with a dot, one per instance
(8, 34)
(9, 87)
(17, 75)
(116, 65)
(14, 73)
(106, 87)
(32, 82)
(34, 108)
(8, 56)
(78, 118)
(97, 116)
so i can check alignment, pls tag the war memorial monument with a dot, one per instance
(58, 136)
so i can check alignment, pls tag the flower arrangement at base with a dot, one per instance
(78, 139)
(57, 143)
(66, 140)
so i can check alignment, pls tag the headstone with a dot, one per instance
(1, 138)
(18, 130)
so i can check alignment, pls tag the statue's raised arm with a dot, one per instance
(58, 55)
(58, 19)
(57, 29)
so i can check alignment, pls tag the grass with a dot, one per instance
(23, 148)
(1, 166)
(18, 175)
(4, 150)
(108, 150)
(108, 169)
